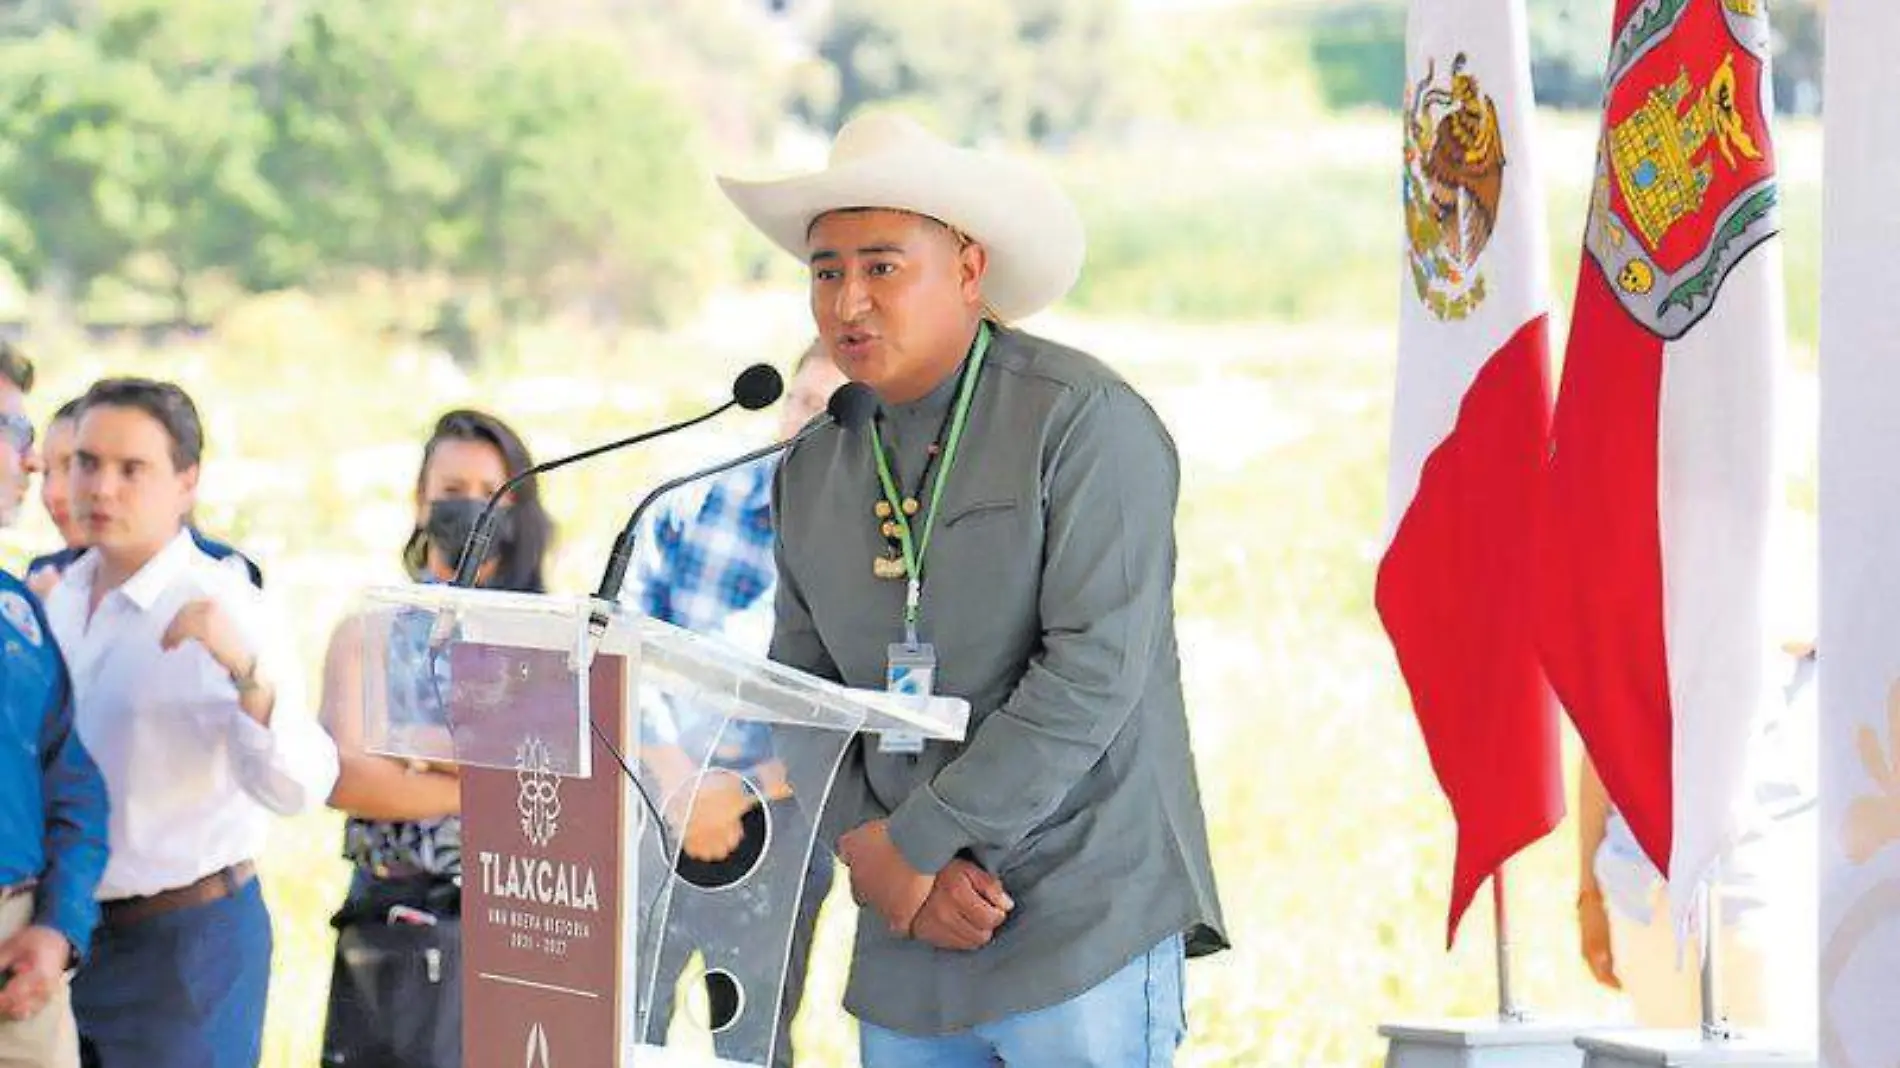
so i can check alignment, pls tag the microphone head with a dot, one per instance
(758, 386)
(852, 405)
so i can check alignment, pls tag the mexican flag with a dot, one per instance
(1469, 434)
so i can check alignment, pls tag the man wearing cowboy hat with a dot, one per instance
(1004, 532)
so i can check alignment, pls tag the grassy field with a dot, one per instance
(1251, 295)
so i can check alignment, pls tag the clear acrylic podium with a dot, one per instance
(639, 810)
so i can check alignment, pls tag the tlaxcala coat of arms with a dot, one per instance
(1454, 180)
(1685, 183)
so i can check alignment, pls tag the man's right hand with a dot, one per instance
(965, 907)
(1593, 930)
(35, 960)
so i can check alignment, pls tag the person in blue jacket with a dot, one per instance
(52, 798)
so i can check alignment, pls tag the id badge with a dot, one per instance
(912, 671)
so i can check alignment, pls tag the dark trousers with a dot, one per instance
(181, 990)
(718, 932)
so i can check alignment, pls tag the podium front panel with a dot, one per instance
(724, 874)
(640, 810)
(475, 678)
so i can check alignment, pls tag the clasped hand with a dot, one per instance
(959, 908)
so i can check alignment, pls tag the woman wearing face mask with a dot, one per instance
(395, 996)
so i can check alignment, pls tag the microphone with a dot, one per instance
(850, 407)
(756, 387)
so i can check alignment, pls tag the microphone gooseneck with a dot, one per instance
(758, 386)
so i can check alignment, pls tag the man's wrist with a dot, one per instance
(71, 921)
(255, 695)
(916, 890)
(244, 676)
(910, 922)
(68, 953)
(851, 843)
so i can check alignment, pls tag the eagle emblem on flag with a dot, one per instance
(1685, 183)
(1454, 180)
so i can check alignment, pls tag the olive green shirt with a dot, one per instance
(1048, 595)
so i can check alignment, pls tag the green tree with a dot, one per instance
(726, 60)
(1358, 50)
(110, 147)
(1040, 70)
(1569, 42)
(377, 120)
(28, 17)
(463, 145)
(587, 187)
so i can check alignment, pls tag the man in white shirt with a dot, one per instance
(184, 701)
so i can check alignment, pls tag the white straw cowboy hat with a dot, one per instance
(884, 160)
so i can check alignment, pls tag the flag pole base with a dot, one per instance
(1688, 1049)
(1493, 1043)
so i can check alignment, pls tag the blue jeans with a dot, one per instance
(181, 990)
(1133, 1019)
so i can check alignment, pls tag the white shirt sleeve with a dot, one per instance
(290, 766)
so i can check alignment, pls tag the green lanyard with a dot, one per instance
(913, 546)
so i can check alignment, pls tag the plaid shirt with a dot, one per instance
(705, 564)
(707, 553)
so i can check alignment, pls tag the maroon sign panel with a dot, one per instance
(541, 889)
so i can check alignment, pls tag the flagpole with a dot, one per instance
(1715, 1027)
(1508, 1010)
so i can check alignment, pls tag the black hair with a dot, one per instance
(521, 567)
(165, 402)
